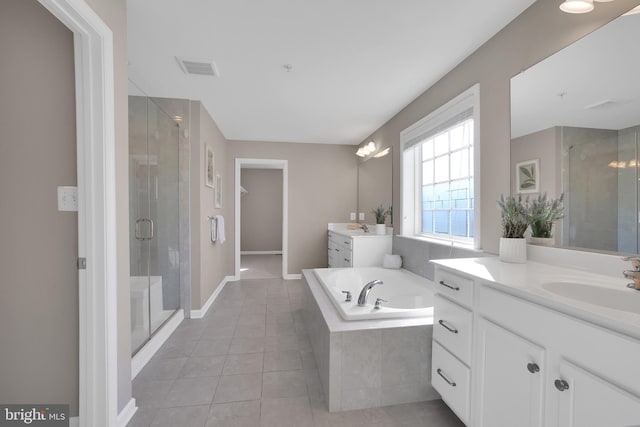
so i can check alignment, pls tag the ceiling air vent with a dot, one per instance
(201, 67)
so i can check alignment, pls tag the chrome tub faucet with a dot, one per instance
(364, 293)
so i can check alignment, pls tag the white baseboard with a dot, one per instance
(292, 276)
(127, 413)
(199, 314)
(260, 252)
(74, 421)
(145, 354)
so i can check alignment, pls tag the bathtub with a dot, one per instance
(384, 358)
(406, 293)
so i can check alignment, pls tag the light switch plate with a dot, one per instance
(361, 216)
(352, 216)
(68, 199)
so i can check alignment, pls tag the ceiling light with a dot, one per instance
(360, 152)
(577, 6)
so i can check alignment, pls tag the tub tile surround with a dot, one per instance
(271, 380)
(416, 254)
(367, 364)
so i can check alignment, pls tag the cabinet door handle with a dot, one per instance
(337, 250)
(561, 385)
(451, 383)
(346, 243)
(533, 367)
(453, 330)
(454, 287)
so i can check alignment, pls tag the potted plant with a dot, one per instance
(515, 220)
(381, 218)
(542, 214)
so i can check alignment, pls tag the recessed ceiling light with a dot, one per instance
(577, 6)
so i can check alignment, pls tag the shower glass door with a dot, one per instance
(154, 227)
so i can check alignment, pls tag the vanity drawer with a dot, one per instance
(451, 378)
(452, 328)
(455, 287)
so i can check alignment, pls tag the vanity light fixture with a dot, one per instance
(577, 6)
(383, 152)
(366, 150)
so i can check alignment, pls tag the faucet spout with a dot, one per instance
(364, 293)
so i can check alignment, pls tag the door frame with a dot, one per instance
(263, 164)
(95, 145)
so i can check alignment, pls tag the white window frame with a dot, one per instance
(411, 164)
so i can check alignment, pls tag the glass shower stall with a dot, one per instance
(153, 218)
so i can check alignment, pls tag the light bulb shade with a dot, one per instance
(371, 146)
(577, 6)
(361, 152)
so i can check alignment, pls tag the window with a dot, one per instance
(438, 184)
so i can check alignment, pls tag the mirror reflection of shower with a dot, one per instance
(600, 183)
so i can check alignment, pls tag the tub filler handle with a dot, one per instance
(443, 283)
(379, 302)
(347, 296)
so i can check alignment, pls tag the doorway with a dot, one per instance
(261, 223)
(261, 244)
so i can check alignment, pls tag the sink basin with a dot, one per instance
(619, 299)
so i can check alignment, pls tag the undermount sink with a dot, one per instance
(618, 299)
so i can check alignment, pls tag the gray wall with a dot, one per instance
(39, 245)
(375, 179)
(322, 189)
(261, 210)
(210, 262)
(545, 146)
(537, 33)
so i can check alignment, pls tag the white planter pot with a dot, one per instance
(542, 241)
(381, 229)
(513, 250)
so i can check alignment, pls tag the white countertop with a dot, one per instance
(342, 229)
(526, 281)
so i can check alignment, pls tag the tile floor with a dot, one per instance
(249, 363)
(260, 267)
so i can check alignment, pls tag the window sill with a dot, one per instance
(443, 242)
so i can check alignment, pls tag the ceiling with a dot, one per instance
(355, 63)
(592, 84)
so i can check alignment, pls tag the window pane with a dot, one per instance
(442, 195)
(471, 223)
(457, 137)
(427, 221)
(460, 164)
(442, 169)
(441, 143)
(442, 222)
(459, 223)
(427, 172)
(427, 149)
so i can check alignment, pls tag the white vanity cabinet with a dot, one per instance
(529, 363)
(356, 248)
(510, 386)
(586, 375)
(452, 339)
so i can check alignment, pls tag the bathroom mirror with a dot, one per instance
(375, 185)
(578, 114)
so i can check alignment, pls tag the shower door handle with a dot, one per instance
(138, 236)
